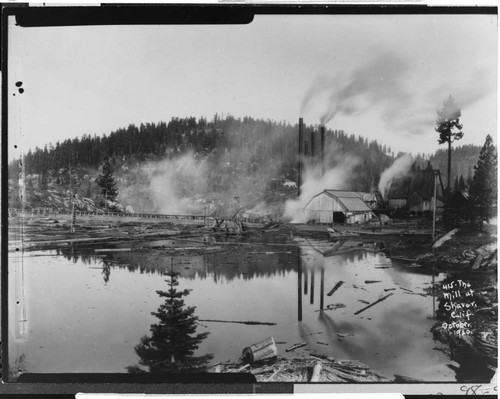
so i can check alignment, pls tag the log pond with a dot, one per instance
(84, 311)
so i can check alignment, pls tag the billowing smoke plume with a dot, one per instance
(315, 182)
(377, 82)
(386, 85)
(396, 171)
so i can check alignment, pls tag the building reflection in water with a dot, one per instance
(299, 280)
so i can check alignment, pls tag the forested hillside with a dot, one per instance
(463, 160)
(189, 164)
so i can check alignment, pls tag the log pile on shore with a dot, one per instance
(315, 368)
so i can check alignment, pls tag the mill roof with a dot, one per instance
(352, 201)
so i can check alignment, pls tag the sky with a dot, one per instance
(379, 76)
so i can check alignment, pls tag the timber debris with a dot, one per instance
(296, 346)
(374, 303)
(250, 323)
(337, 286)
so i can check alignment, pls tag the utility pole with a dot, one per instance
(434, 205)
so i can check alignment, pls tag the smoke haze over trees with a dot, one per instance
(175, 167)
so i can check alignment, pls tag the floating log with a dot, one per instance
(337, 286)
(113, 250)
(372, 281)
(374, 303)
(316, 374)
(258, 323)
(296, 346)
(403, 259)
(307, 335)
(333, 306)
(444, 238)
(477, 262)
(342, 335)
(260, 351)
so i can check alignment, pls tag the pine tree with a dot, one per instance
(107, 182)
(448, 119)
(173, 339)
(483, 189)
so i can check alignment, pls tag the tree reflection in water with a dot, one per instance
(173, 339)
(106, 270)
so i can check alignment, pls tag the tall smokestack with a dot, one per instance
(299, 165)
(322, 155)
(313, 147)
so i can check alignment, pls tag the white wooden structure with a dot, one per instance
(338, 206)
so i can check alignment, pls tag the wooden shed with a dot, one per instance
(415, 192)
(422, 192)
(338, 206)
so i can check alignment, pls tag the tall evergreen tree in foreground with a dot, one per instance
(107, 182)
(483, 189)
(447, 122)
(173, 339)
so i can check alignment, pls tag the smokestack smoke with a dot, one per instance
(384, 85)
(396, 171)
(322, 137)
(378, 81)
(315, 181)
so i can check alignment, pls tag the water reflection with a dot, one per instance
(299, 285)
(102, 319)
(173, 339)
(245, 263)
(106, 270)
(70, 254)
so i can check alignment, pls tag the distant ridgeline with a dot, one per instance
(245, 148)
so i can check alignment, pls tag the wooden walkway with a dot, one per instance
(206, 219)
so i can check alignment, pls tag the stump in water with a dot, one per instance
(261, 351)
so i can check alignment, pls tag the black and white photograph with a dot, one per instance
(287, 196)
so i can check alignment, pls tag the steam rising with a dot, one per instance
(165, 186)
(315, 182)
(397, 170)
(221, 182)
